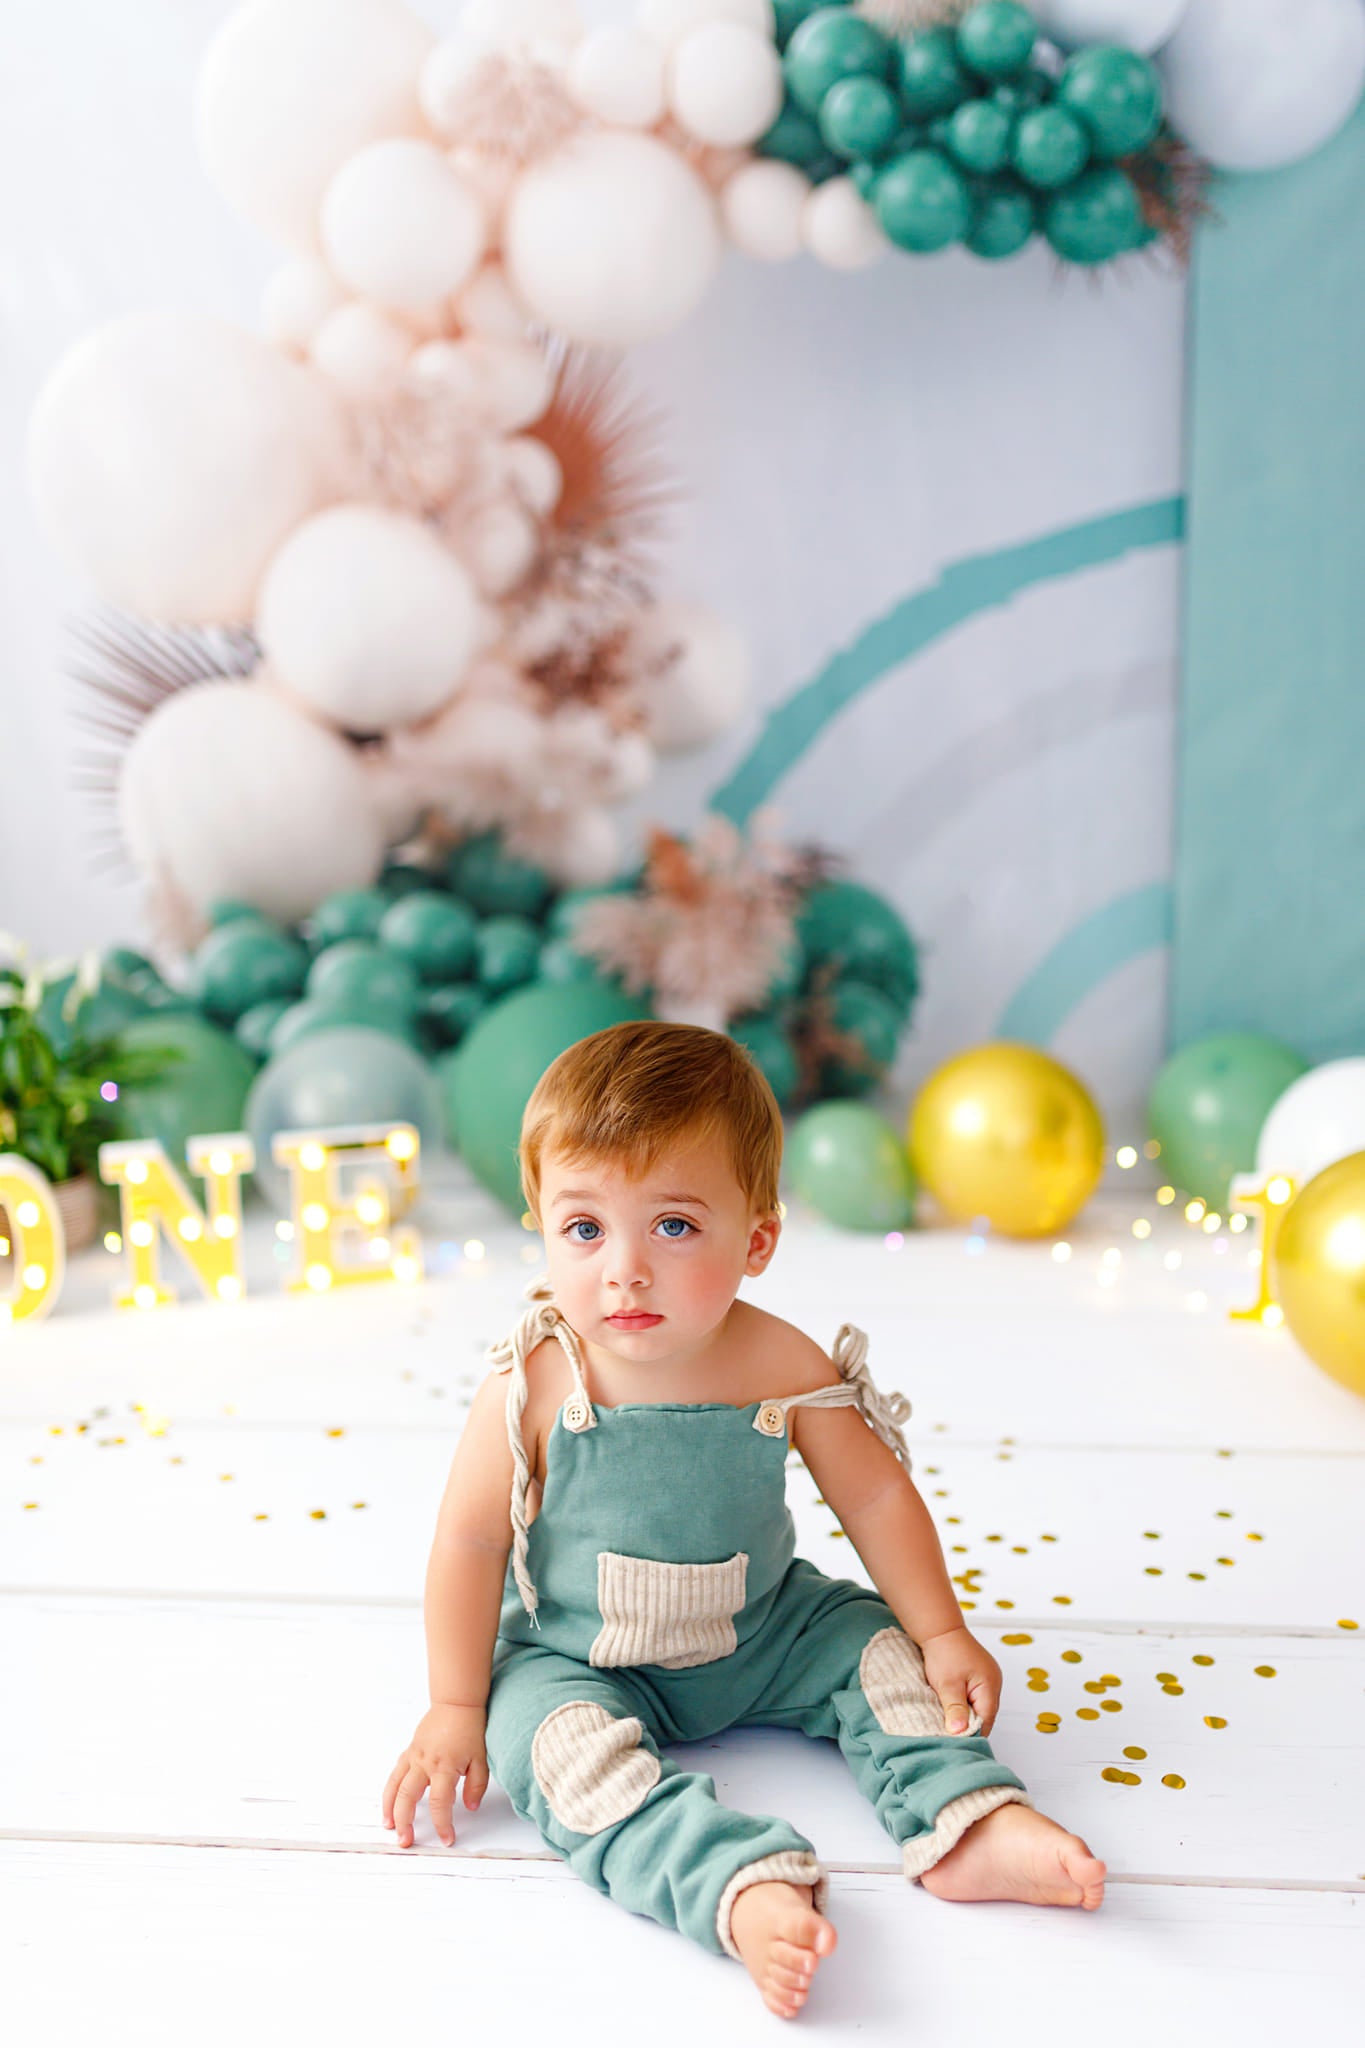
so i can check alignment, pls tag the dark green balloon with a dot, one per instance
(245, 963)
(1208, 1104)
(859, 117)
(772, 1053)
(829, 45)
(496, 883)
(350, 914)
(447, 1013)
(227, 908)
(848, 928)
(979, 135)
(1097, 218)
(403, 879)
(432, 932)
(1003, 223)
(202, 1090)
(559, 962)
(327, 1013)
(922, 202)
(794, 138)
(487, 1081)
(1050, 147)
(865, 178)
(1116, 96)
(826, 167)
(507, 950)
(929, 75)
(848, 1163)
(996, 39)
(256, 1027)
(360, 971)
(788, 16)
(872, 1020)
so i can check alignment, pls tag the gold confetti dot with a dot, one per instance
(966, 1603)
(1004, 1603)
(1039, 1685)
(1019, 1549)
(838, 1532)
(1153, 1571)
(995, 1539)
(1173, 1688)
(959, 1549)
(176, 1460)
(260, 1518)
(1254, 1537)
(1087, 1713)
(933, 1470)
(1223, 1514)
(1225, 1560)
(1348, 1624)
(940, 1493)
(359, 1503)
(1061, 1599)
(1029, 1639)
(1114, 1776)
(1222, 1454)
(317, 1514)
(1047, 1728)
(336, 1432)
(1108, 1678)
(1176, 1784)
(1047, 1539)
(1153, 1535)
(1214, 1721)
(225, 1475)
(1196, 1575)
(1134, 1751)
(30, 1504)
(1201, 1660)
(952, 1518)
(1165, 1678)
(1112, 1706)
(1094, 1685)
(1071, 1657)
(1037, 1671)
(54, 1429)
(1265, 1670)
(1004, 1456)
(35, 1461)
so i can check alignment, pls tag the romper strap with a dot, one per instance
(854, 1388)
(509, 1354)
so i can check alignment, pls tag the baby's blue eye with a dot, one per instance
(686, 1226)
(581, 1223)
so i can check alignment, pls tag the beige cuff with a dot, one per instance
(952, 1823)
(788, 1866)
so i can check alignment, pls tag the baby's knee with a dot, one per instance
(591, 1767)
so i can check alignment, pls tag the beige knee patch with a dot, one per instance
(891, 1674)
(591, 1767)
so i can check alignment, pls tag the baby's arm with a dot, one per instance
(461, 1606)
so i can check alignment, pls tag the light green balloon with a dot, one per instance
(848, 1163)
(202, 1090)
(1208, 1104)
(347, 1075)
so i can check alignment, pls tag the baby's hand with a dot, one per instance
(964, 1675)
(448, 1745)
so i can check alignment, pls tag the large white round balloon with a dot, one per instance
(297, 299)
(169, 455)
(668, 21)
(361, 349)
(289, 89)
(611, 240)
(400, 226)
(1319, 1119)
(1142, 25)
(695, 674)
(761, 206)
(230, 791)
(617, 74)
(368, 617)
(839, 227)
(1252, 84)
(725, 83)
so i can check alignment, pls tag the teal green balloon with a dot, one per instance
(1097, 218)
(851, 1167)
(447, 1013)
(348, 1075)
(507, 951)
(929, 75)
(1050, 147)
(829, 45)
(256, 1026)
(1208, 1104)
(922, 202)
(201, 1091)
(432, 932)
(788, 16)
(1116, 96)
(872, 1022)
(849, 928)
(126, 965)
(978, 136)
(487, 1081)
(360, 971)
(859, 117)
(794, 138)
(403, 878)
(325, 1013)
(245, 963)
(864, 177)
(996, 39)
(559, 961)
(1003, 223)
(496, 883)
(349, 914)
(227, 908)
(772, 1052)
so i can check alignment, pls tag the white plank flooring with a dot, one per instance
(211, 1653)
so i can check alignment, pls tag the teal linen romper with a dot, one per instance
(656, 1598)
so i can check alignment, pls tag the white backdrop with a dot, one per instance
(843, 440)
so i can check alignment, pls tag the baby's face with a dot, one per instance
(646, 1269)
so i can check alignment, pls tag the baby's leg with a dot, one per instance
(574, 1750)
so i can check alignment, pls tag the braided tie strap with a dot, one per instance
(509, 1354)
(883, 1411)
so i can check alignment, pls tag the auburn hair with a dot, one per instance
(623, 1095)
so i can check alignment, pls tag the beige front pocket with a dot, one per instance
(669, 1614)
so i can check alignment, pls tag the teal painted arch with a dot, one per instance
(1124, 929)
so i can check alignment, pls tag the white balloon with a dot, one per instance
(500, 545)
(297, 299)
(170, 453)
(840, 228)
(228, 790)
(1141, 25)
(289, 89)
(489, 176)
(505, 385)
(668, 21)
(1319, 1119)
(693, 697)
(362, 349)
(1252, 84)
(478, 760)
(725, 83)
(547, 29)
(400, 226)
(449, 85)
(617, 74)
(631, 768)
(488, 305)
(611, 240)
(365, 615)
(533, 472)
(762, 207)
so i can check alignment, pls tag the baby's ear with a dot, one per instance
(763, 1238)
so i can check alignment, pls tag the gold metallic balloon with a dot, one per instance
(1320, 1270)
(1007, 1133)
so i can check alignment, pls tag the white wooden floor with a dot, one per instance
(215, 1525)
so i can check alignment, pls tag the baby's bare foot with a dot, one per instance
(783, 1940)
(1017, 1853)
